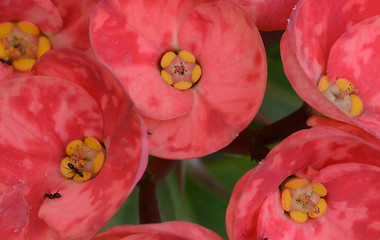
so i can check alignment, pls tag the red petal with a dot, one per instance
(230, 90)
(38, 116)
(355, 56)
(165, 230)
(322, 146)
(303, 85)
(351, 209)
(268, 15)
(316, 25)
(124, 138)
(132, 42)
(40, 12)
(76, 17)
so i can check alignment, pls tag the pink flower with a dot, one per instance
(268, 15)
(166, 230)
(330, 54)
(341, 157)
(30, 28)
(195, 116)
(69, 96)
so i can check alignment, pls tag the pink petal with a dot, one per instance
(316, 25)
(355, 56)
(322, 146)
(234, 201)
(267, 15)
(351, 208)
(303, 85)
(234, 71)
(38, 116)
(165, 230)
(124, 138)
(134, 52)
(230, 90)
(40, 12)
(76, 18)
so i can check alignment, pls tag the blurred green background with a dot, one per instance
(197, 201)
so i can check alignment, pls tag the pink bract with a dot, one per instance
(65, 22)
(342, 157)
(160, 231)
(132, 36)
(70, 96)
(268, 15)
(341, 39)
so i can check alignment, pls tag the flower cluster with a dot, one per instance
(99, 97)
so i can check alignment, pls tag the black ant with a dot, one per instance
(8, 62)
(71, 166)
(53, 195)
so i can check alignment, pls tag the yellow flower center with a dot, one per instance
(343, 93)
(302, 199)
(21, 43)
(180, 70)
(84, 159)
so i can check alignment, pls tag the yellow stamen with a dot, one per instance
(3, 54)
(342, 94)
(196, 74)
(72, 147)
(323, 84)
(23, 64)
(319, 189)
(296, 183)
(85, 159)
(79, 179)
(356, 105)
(167, 59)
(5, 28)
(65, 170)
(300, 198)
(322, 206)
(28, 27)
(344, 84)
(43, 46)
(187, 56)
(286, 200)
(93, 143)
(167, 77)
(298, 216)
(182, 85)
(99, 162)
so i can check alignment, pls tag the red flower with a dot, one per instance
(30, 28)
(341, 157)
(330, 54)
(70, 96)
(190, 111)
(166, 230)
(268, 15)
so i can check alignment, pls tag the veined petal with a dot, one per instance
(124, 138)
(134, 52)
(40, 12)
(355, 55)
(76, 18)
(165, 230)
(234, 69)
(345, 181)
(268, 15)
(305, 88)
(327, 143)
(38, 115)
(315, 26)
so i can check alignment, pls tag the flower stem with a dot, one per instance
(155, 173)
(254, 142)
